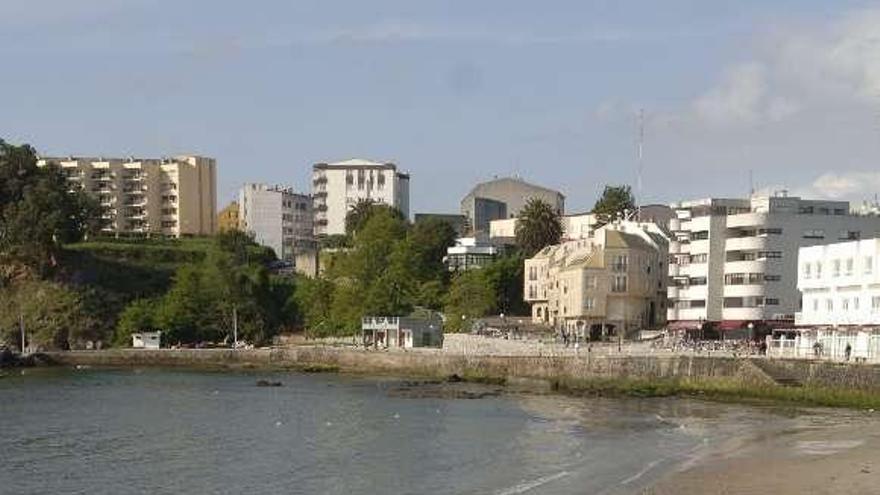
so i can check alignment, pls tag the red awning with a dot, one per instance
(683, 325)
(728, 325)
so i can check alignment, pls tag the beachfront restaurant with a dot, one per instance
(384, 332)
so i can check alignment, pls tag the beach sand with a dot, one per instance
(839, 459)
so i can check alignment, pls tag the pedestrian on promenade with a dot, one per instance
(848, 351)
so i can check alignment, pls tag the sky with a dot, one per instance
(735, 94)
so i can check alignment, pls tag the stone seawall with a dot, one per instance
(551, 368)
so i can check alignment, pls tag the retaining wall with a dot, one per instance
(862, 377)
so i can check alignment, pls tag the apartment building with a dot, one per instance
(504, 198)
(840, 284)
(337, 187)
(164, 196)
(228, 218)
(277, 217)
(609, 284)
(733, 262)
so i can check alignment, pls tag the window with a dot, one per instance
(619, 284)
(701, 235)
(697, 281)
(699, 258)
(818, 269)
(855, 304)
(835, 268)
(773, 231)
(869, 265)
(806, 271)
(829, 305)
(772, 278)
(814, 234)
(589, 303)
(875, 303)
(533, 273)
(850, 235)
(764, 255)
(770, 301)
(849, 266)
(620, 263)
(844, 304)
(590, 282)
(816, 304)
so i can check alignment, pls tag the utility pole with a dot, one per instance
(21, 327)
(234, 327)
(641, 146)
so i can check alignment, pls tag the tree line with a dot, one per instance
(383, 265)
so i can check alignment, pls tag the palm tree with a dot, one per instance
(357, 216)
(538, 226)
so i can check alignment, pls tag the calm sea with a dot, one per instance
(172, 432)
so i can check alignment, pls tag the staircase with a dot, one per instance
(779, 375)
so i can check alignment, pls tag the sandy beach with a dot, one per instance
(815, 458)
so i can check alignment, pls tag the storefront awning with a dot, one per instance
(684, 325)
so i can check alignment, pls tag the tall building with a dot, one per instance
(504, 198)
(169, 196)
(228, 219)
(608, 284)
(278, 218)
(337, 187)
(733, 262)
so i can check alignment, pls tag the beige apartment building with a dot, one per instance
(609, 284)
(168, 196)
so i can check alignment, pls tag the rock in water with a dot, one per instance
(268, 383)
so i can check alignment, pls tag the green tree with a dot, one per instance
(38, 214)
(539, 225)
(470, 296)
(615, 200)
(138, 316)
(428, 241)
(359, 214)
(505, 276)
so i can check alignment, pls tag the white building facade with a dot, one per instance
(278, 218)
(469, 253)
(163, 196)
(337, 187)
(734, 261)
(840, 284)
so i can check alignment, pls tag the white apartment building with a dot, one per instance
(734, 261)
(840, 284)
(168, 196)
(278, 218)
(611, 283)
(337, 187)
(578, 226)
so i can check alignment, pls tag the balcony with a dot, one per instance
(745, 290)
(699, 247)
(745, 266)
(753, 243)
(743, 313)
(747, 220)
(321, 179)
(320, 194)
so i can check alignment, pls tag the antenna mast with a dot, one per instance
(641, 149)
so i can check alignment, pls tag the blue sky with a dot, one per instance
(459, 91)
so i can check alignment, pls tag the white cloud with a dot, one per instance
(854, 186)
